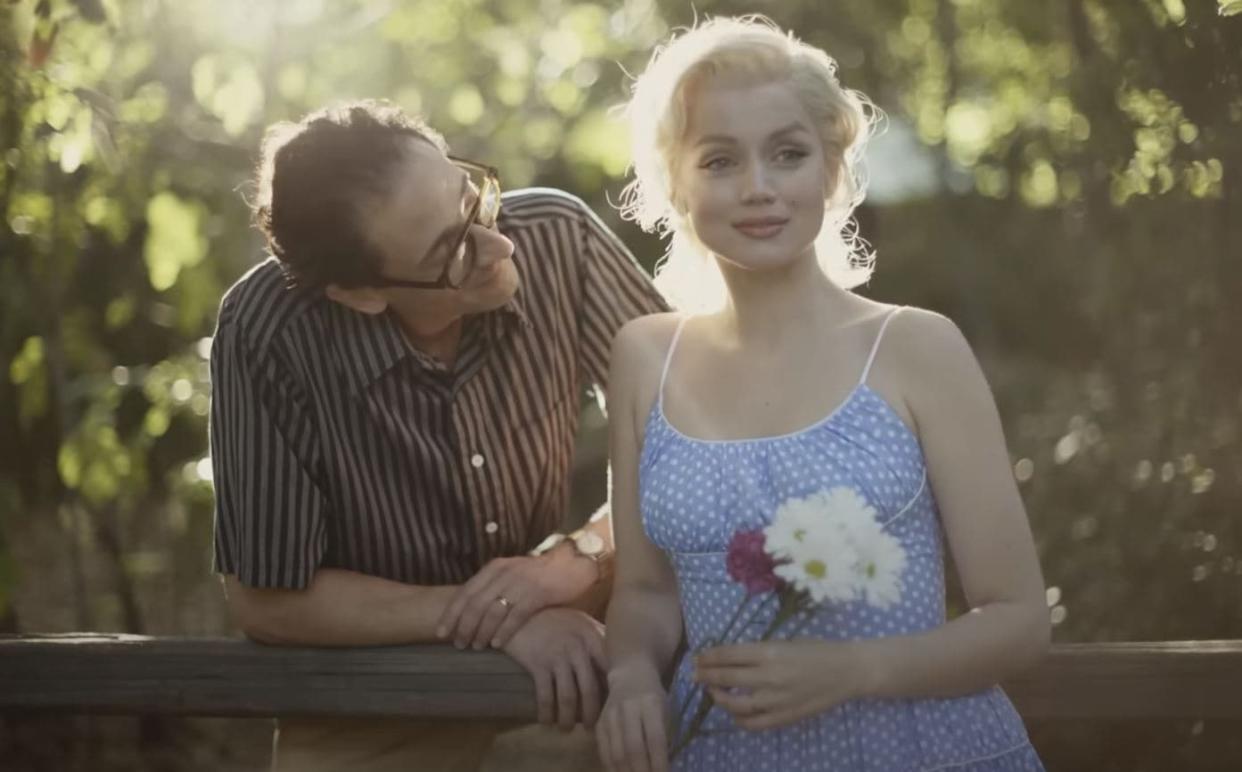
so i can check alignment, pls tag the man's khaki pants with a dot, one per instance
(406, 745)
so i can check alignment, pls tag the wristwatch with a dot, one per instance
(585, 543)
(588, 544)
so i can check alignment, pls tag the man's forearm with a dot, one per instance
(340, 608)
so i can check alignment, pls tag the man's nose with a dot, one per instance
(493, 245)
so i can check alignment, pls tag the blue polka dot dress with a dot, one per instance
(694, 494)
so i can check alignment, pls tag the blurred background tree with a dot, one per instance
(1060, 178)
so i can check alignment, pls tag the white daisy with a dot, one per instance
(794, 522)
(848, 510)
(831, 546)
(823, 569)
(881, 561)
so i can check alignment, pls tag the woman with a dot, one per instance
(746, 150)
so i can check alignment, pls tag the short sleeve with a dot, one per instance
(269, 505)
(615, 289)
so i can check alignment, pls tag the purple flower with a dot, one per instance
(749, 564)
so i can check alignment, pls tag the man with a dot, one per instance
(395, 395)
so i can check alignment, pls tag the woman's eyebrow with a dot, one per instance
(724, 139)
(715, 139)
(793, 128)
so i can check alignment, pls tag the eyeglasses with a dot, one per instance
(464, 253)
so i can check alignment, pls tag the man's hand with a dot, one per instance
(498, 600)
(563, 649)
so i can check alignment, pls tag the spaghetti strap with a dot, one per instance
(668, 359)
(876, 346)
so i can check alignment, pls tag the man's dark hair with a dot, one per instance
(313, 180)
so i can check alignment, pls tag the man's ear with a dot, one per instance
(362, 299)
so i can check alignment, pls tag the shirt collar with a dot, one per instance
(373, 344)
(514, 312)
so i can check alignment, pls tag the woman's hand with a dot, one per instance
(777, 683)
(632, 730)
(497, 601)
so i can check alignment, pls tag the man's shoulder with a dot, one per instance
(261, 304)
(532, 206)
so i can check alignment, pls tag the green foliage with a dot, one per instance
(174, 239)
(129, 132)
(228, 87)
(28, 375)
(1083, 230)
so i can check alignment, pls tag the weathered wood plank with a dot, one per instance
(227, 677)
(1173, 679)
(86, 673)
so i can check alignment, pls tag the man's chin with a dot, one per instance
(499, 291)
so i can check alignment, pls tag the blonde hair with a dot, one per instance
(750, 46)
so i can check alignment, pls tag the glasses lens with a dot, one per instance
(489, 203)
(462, 263)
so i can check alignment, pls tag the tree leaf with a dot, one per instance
(175, 239)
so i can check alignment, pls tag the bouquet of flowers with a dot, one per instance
(829, 547)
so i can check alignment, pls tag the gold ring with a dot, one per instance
(502, 600)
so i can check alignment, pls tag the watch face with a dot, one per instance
(589, 543)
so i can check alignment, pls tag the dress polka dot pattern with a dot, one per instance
(694, 494)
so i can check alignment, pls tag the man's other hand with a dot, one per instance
(563, 649)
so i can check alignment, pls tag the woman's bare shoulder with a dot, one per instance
(638, 355)
(646, 338)
(925, 339)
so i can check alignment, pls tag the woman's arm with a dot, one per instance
(984, 520)
(644, 616)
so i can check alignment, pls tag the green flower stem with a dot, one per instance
(791, 604)
(715, 641)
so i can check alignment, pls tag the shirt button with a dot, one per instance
(491, 527)
(476, 461)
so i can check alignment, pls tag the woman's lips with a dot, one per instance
(761, 227)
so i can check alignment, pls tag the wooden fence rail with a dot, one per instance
(95, 673)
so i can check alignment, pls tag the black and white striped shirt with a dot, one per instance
(334, 443)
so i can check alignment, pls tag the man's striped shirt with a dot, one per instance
(335, 443)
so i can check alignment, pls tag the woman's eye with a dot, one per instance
(715, 164)
(791, 155)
